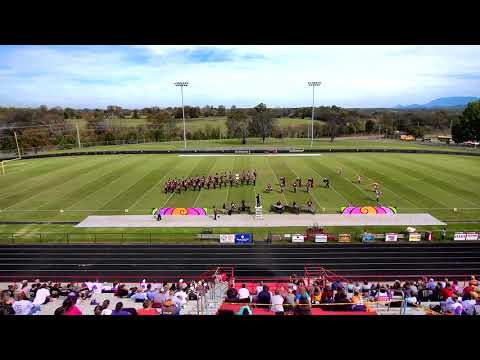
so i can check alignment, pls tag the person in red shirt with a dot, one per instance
(147, 309)
(70, 307)
(446, 292)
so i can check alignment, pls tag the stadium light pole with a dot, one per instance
(182, 84)
(313, 84)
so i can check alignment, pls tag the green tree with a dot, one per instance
(135, 114)
(221, 110)
(369, 126)
(238, 125)
(262, 124)
(471, 120)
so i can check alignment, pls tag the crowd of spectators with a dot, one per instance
(165, 298)
(300, 295)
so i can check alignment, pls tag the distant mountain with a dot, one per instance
(446, 102)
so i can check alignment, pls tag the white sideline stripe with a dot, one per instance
(221, 155)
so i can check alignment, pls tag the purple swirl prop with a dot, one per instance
(370, 210)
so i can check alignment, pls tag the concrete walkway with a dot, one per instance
(269, 220)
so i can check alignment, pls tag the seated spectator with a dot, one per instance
(70, 307)
(425, 294)
(454, 305)
(357, 298)
(317, 296)
(289, 300)
(472, 285)
(59, 311)
(243, 294)
(303, 307)
(264, 296)
(22, 306)
(42, 295)
(446, 291)
(105, 309)
(327, 295)
(55, 291)
(25, 288)
(277, 303)
(245, 310)
(119, 310)
(98, 310)
(232, 294)
(85, 292)
(151, 292)
(139, 295)
(6, 303)
(147, 309)
(121, 291)
(469, 304)
(382, 295)
(259, 288)
(169, 308)
(302, 293)
(411, 299)
(160, 297)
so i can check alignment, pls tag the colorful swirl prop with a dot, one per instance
(183, 211)
(370, 210)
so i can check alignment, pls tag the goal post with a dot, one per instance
(4, 163)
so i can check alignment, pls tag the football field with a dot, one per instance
(72, 188)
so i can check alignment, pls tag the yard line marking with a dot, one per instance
(100, 188)
(310, 195)
(368, 195)
(344, 198)
(275, 175)
(153, 187)
(46, 190)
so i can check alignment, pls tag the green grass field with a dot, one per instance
(195, 123)
(38, 189)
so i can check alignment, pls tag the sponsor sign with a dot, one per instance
(472, 236)
(415, 237)
(391, 237)
(344, 238)
(367, 237)
(243, 238)
(227, 239)
(296, 150)
(460, 236)
(297, 238)
(321, 238)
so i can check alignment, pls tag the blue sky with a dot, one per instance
(143, 76)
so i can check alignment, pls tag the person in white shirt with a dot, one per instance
(277, 302)
(42, 295)
(243, 294)
(106, 310)
(259, 287)
(182, 295)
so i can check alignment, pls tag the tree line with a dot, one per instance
(37, 127)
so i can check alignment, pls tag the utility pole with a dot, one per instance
(18, 147)
(313, 84)
(78, 135)
(182, 84)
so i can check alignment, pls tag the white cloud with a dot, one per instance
(276, 75)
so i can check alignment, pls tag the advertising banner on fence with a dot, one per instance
(472, 236)
(297, 238)
(366, 237)
(460, 236)
(243, 238)
(227, 239)
(391, 237)
(344, 238)
(415, 237)
(321, 238)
